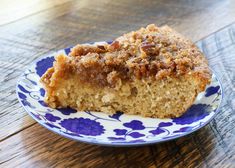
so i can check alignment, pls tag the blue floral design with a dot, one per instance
(160, 129)
(42, 92)
(44, 64)
(212, 90)
(67, 111)
(135, 125)
(42, 103)
(124, 133)
(157, 131)
(117, 115)
(67, 50)
(51, 117)
(120, 131)
(36, 116)
(23, 89)
(165, 124)
(195, 113)
(24, 100)
(22, 96)
(136, 135)
(184, 129)
(83, 126)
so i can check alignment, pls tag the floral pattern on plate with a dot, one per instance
(112, 130)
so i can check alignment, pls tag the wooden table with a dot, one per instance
(30, 29)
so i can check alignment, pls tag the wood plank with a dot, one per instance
(42, 148)
(188, 17)
(13, 10)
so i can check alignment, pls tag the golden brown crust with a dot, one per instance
(149, 52)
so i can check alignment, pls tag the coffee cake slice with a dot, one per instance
(152, 72)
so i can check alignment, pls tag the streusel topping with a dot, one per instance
(150, 52)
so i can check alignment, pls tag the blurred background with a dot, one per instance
(105, 19)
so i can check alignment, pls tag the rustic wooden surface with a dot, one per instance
(47, 27)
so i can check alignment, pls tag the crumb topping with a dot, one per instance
(150, 52)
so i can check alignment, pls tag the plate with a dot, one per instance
(112, 130)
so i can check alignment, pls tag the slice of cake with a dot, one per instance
(152, 72)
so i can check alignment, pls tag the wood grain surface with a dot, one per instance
(56, 25)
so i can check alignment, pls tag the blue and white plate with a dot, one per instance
(112, 130)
